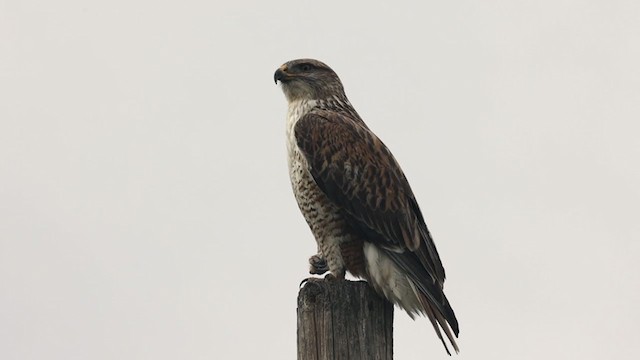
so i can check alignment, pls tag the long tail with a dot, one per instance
(438, 322)
(417, 295)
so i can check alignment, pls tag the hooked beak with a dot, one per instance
(281, 74)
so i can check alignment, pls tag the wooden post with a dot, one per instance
(343, 320)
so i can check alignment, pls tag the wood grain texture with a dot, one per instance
(343, 320)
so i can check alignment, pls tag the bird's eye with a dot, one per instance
(305, 67)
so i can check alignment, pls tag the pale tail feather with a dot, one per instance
(397, 287)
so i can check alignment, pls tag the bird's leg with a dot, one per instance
(318, 265)
(335, 277)
(330, 249)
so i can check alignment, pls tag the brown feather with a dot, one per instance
(358, 173)
(356, 199)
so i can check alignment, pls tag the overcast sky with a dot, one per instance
(146, 210)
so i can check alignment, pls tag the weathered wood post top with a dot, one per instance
(343, 320)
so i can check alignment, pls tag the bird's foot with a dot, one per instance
(334, 277)
(329, 277)
(310, 280)
(318, 265)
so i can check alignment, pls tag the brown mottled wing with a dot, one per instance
(357, 172)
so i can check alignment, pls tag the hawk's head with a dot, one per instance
(308, 79)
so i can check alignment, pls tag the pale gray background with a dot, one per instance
(145, 208)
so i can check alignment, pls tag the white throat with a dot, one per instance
(297, 109)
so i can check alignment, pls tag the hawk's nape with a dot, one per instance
(356, 199)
